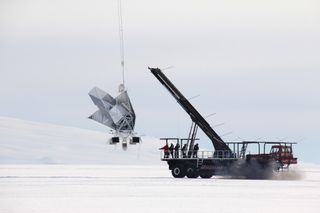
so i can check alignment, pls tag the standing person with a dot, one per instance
(184, 151)
(171, 148)
(165, 149)
(176, 150)
(195, 150)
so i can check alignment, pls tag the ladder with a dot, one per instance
(199, 162)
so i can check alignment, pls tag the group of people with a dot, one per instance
(174, 151)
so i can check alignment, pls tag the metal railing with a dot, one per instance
(179, 154)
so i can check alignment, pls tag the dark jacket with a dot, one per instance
(177, 147)
(171, 148)
(196, 147)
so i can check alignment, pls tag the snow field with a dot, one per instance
(84, 188)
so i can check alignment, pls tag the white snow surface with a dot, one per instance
(50, 168)
(136, 189)
(26, 142)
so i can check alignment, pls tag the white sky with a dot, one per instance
(254, 63)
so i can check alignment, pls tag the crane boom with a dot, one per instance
(195, 116)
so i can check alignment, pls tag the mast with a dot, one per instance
(195, 116)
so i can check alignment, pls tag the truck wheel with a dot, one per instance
(192, 173)
(178, 171)
(206, 174)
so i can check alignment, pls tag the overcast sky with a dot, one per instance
(256, 64)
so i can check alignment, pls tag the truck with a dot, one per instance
(227, 158)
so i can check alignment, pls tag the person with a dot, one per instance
(195, 150)
(171, 148)
(165, 149)
(176, 150)
(184, 151)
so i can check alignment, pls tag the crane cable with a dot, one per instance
(121, 39)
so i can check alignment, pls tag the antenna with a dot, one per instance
(225, 134)
(210, 115)
(169, 67)
(193, 97)
(121, 39)
(217, 125)
(239, 138)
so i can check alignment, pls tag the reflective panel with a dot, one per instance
(116, 113)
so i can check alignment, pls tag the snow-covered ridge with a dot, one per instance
(27, 142)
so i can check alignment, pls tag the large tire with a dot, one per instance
(206, 174)
(178, 171)
(192, 172)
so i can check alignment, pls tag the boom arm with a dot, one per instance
(195, 116)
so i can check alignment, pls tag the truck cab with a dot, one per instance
(280, 153)
(283, 154)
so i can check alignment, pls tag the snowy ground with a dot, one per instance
(88, 188)
(68, 185)
(28, 142)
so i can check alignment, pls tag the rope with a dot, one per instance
(121, 39)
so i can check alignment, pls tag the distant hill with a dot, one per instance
(26, 142)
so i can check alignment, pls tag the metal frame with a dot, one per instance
(236, 153)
